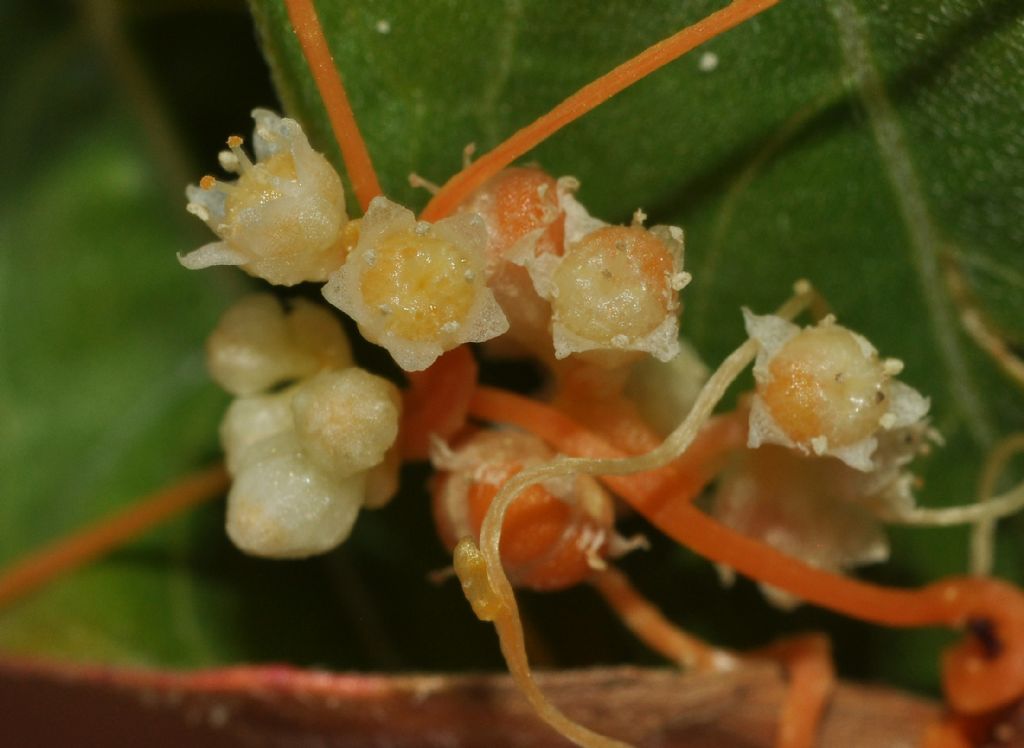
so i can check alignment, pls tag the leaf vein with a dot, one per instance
(925, 242)
(505, 54)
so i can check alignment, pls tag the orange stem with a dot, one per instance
(436, 402)
(83, 546)
(692, 528)
(808, 663)
(328, 81)
(682, 480)
(649, 625)
(463, 184)
(983, 672)
(619, 422)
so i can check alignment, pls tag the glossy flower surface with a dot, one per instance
(283, 219)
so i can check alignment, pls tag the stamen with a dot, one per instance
(209, 183)
(235, 144)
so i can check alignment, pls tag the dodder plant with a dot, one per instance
(850, 25)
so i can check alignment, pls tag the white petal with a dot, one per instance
(906, 404)
(209, 255)
(770, 332)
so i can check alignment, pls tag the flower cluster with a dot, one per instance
(524, 267)
(567, 525)
(309, 438)
(831, 433)
(522, 261)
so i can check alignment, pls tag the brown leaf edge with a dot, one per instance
(58, 704)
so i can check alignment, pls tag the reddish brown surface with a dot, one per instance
(62, 705)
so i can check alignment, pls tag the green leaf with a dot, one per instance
(866, 146)
(103, 392)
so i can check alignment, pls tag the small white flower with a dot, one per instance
(346, 420)
(415, 288)
(281, 505)
(304, 459)
(615, 289)
(283, 220)
(824, 390)
(819, 509)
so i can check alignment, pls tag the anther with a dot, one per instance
(802, 287)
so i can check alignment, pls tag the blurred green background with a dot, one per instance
(863, 145)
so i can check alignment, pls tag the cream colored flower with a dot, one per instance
(284, 218)
(615, 289)
(304, 459)
(415, 288)
(824, 390)
(819, 509)
(346, 420)
(282, 506)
